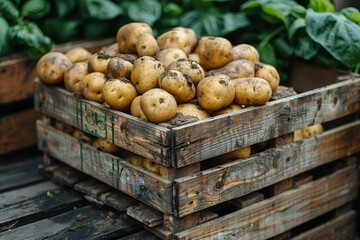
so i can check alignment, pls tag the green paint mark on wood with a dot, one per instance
(95, 123)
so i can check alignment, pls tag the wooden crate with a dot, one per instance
(177, 200)
(17, 73)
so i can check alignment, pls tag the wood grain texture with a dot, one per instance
(145, 214)
(138, 136)
(137, 182)
(280, 213)
(18, 72)
(18, 131)
(217, 135)
(229, 181)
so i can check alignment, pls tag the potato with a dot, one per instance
(158, 105)
(66, 128)
(215, 92)
(135, 109)
(235, 69)
(252, 91)
(147, 45)
(192, 110)
(120, 67)
(269, 73)
(83, 136)
(128, 35)
(228, 109)
(146, 73)
(51, 67)
(111, 50)
(194, 57)
(245, 51)
(234, 155)
(191, 35)
(214, 52)
(178, 85)
(190, 68)
(119, 93)
(74, 75)
(151, 166)
(134, 159)
(175, 39)
(91, 86)
(308, 132)
(105, 146)
(169, 55)
(98, 62)
(78, 54)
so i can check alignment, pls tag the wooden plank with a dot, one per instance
(247, 200)
(342, 227)
(64, 174)
(18, 72)
(160, 232)
(150, 188)
(18, 131)
(211, 137)
(140, 235)
(280, 213)
(85, 223)
(239, 178)
(92, 187)
(131, 133)
(117, 200)
(145, 214)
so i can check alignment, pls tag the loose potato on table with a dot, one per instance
(269, 73)
(147, 45)
(178, 85)
(169, 55)
(146, 73)
(51, 67)
(119, 93)
(135, 109)
(74, 75)
(235, 69)
(98, 62)
(245, 51)
(175, 39)
(158, 105)
(192, 110)
(214, 52)
(91, 86)
(215, 92)
(128, 35)
(78, 54)
(190, 68)
(252, 91)
(120, 67)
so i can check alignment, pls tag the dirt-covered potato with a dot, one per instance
(146, 73)
(66, 128)
(214, 52)
(91, 86)
(51, 67)
(308, 132)
(191, 35)
(192, 110)
(228, 109)
(175, 39)
(111, 50)
(78, 54)
(215, 92)
(245, 51)
(169, 55)
(74, 75)
(128, 35)
(235, 69)
(269, 73)
(147, 45)
(120, 67)
(194, 57)
(252, 91)
(119, 93)
(105, 146)
(178, 85)
(98, 62)
(135, 109)
(83, 136)
(190, 68)
(158, 105)
(151, 166)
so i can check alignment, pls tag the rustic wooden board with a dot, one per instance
(214, 136)
(18, 131)
(140, 235)
(280, 213)
(18, 72)
(145, 214)
(138, 136)
(232, 180)
(342, 227)
(137, 182)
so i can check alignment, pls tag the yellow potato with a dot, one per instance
(190, 68)
(192, 110)
(245, 51)
(228, 109)
(169, 55)
(105, 146)
(235, 69)
(64, 127)
(269, 73)
(135, 109)
(151, 166)
(252, 91)
(83, 136)
(111, 50)
(234, 155)
(214, 52)
(308, 132)
(120, 67)
(91, 86)
(175, 39)
(147, 45)
(52, 66)
(98, 62)
(191, 35)
(128, 35)
(74, 75)
(78, 54)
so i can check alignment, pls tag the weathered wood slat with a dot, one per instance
(342, 227)
(18, 131)
(144, 235)
(138, 183)
(282, 212)
(211, 137)
(238, 178)
(138, 136)
(145, 214)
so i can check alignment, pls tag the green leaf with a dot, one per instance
(352, 14)
(234, 21)
(101, 29)
(297, 24)
(298, 11)
(172, 9)
(305, 47)
(62, 30)
(99, 9)
(35, 9)
(283, 47)
(8, 10)
(321, 6)
(148, 11)
(267, 54)
(64, 7)
(335, 33)
(4, 45)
